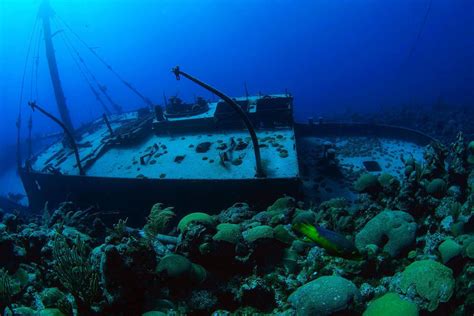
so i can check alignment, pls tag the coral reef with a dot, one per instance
(414, 232)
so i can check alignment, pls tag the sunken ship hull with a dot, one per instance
(198, 161)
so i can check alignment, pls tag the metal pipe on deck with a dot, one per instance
(68, 133)
(260, 172)
(107, 122)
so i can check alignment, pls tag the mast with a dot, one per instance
(45, 13)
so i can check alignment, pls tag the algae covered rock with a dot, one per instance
(259, 232)
(449, 249)
(396, 226)
(367, 183)
(391, 304)
(430, 280)
(324, 296)
(197, 217)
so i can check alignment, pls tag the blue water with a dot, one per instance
(331, 55)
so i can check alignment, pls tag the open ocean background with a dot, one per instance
(333, 56)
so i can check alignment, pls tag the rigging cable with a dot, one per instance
(25, 67)
(86, 79)
(34, 64)
(418, 36)
(126, 83)
(86, 69)
(37, 64)
(18, 121)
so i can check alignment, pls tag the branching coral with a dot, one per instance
(74, 270)
(119, 230)
(158, 220)
(68, 215)
(6, 290)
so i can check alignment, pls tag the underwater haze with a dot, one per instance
(331, 55)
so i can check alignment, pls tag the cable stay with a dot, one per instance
(84, 75)
(34, 67)
(108, 66)
(20, 101)
(100, 87)
(418, 36)
(25, 67)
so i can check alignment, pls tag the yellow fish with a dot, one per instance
(334, 243)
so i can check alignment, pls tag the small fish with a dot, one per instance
(334, 243)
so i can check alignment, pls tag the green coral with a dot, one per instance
(437, 188)
(51, 312)
(180, 268)
(197, 217)
(391, 305)
(307, 217)
(394, 230)
(174, 266)
(259, 232)
(154, 313)
(385, 179)
(228, 232)
(158, 220)
(470, 151)
(367, 183)
(449, 249)
(431, 280)
(281, 205)
(470, 250)
(282, 234)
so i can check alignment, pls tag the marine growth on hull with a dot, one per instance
(401, 243)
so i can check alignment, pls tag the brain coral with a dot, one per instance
(431, 280)
(396, 226)
(324, 296)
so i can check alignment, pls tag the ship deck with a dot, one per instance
(173, 153)
(176, 157)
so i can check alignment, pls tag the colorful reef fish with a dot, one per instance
(334, 243)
